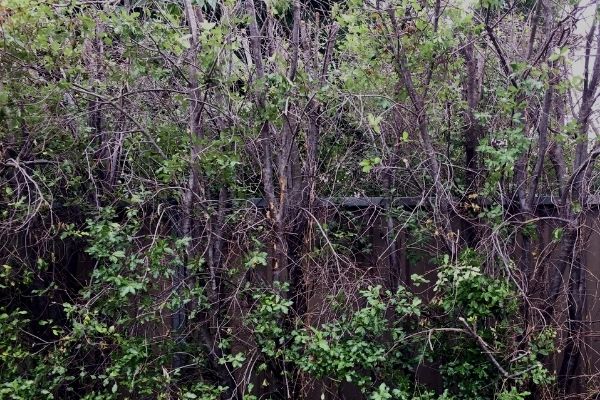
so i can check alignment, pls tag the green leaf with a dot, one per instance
(557, 234)
(375, 122)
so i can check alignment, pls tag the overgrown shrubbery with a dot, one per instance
(184, 210)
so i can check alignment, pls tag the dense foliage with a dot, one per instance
(296, 199)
